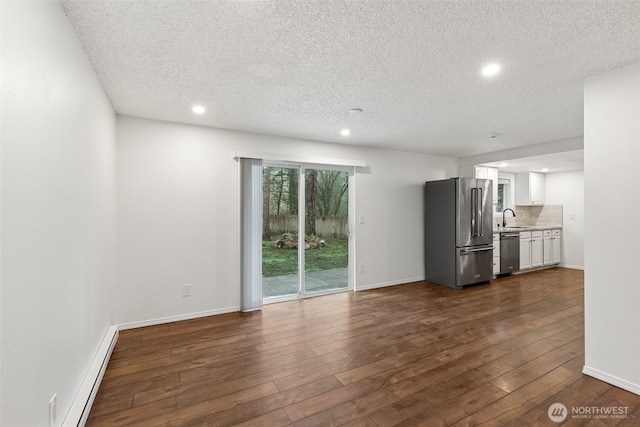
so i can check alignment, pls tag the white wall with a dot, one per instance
(567, 189)
(178, 215)
(57, 213)
(612, 231)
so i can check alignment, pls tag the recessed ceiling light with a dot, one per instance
(545, 169)
(493, 136)
(345, 132)
(198, 109)
(491, 69)
(355, 111)
(503, 165)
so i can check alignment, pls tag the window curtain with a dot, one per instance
(251, 177)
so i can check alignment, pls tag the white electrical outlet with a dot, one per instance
(361, 268)
(53, 412)
(186, 290)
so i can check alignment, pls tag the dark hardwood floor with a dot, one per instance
(410, 355)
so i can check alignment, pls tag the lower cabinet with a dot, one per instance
(555, 248)
(547, 248)
(496, 254)
(551, 247)
(525, 250)
(536, 250)
(539, 248)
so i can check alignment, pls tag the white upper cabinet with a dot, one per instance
(529, 189)
(492, 173)
(480, 172)
(486, 172)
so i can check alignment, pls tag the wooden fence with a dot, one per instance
(331, 227)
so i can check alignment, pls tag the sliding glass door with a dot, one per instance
(305, 243)
(326, 215)
(280, 232)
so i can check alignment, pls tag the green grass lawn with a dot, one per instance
(279, 262)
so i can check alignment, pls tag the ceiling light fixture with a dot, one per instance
(198, 109)
(545, 169)
(345, 132)
(503, 165)
(355, 111)
(491, 70)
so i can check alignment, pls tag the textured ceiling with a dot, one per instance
(296, 68)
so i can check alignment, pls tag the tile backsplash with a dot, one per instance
(533, 216)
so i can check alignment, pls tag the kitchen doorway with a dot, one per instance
(306, 235)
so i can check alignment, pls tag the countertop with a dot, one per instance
(523, 228)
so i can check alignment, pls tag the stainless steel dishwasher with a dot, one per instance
(509, 252)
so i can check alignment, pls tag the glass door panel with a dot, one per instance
(280, 187)
(326, 223)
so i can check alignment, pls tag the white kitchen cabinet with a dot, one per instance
(492, 174)
(496, 254)
(480, 172)
(546, 251)
(555, 247)
(486, 172)
(536, 252)
(525, 250)
(531, 252)
(529, 189)
(551, 247)
(539, 248)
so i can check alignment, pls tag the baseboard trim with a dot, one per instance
(81, 406)
(573, 267)
(178, 318)
(613, 380)
(385, 284)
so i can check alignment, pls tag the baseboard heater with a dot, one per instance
(81, 406)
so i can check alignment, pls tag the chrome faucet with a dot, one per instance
(504, 221)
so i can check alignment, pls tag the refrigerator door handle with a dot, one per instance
(480, 207)
(467, 251)
(474, 212)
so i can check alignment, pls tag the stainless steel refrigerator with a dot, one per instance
(459, 231)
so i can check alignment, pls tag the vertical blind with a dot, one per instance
(251, 176)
